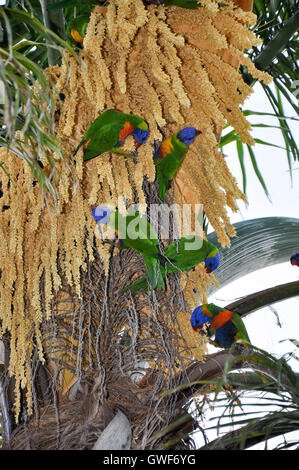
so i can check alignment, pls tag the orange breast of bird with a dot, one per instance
(221, 318)
(75, 35)
(166, 147)
(126, 130)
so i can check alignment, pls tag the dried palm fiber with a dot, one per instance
(146, 61)
(103, 355)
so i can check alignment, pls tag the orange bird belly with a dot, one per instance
(126, 130)
(220, 319)
(75, 35)
(166, 147)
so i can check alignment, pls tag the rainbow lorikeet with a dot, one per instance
(228, 326)
(74, 3)
(76, 28)
(134, 231)
(295, 259)
(179, 257)
(109, 131)
(170, 155)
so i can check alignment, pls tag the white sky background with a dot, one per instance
(262, 326)
(284, 202)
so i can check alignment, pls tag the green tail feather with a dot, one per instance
(89, 153)
(141, 284)
(153, 278)
(153, 269)
(164, 185)
(162, 191)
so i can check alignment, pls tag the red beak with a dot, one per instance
(195, 328)
(208, 270)
(137, 144)
(198, 132)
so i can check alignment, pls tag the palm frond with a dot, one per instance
(277, 26)
(259, 243)
(27, 113)
(270, 375)
(291, 148)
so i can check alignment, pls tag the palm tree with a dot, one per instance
(97, 359)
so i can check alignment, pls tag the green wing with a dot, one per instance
(144, 283)
(136, 232)
(241, 329)
(102, 140)
(180, 259)
(183, 258)
(107, 117)
(101, 133)
(167, 167)
(164, 183)
(179, 246)
(141, 284)
(170, 164)
(154, 272)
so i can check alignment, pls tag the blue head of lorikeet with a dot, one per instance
(187, 135)
(140, 134)
(101, 214)
(295, 259)
(198, 318)
(212, 261)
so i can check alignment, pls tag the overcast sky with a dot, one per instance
(264, 329)
(284, 202)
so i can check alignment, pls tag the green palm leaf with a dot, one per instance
(290, 148)
(259, 243)
(28, 104)
(269, 374)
